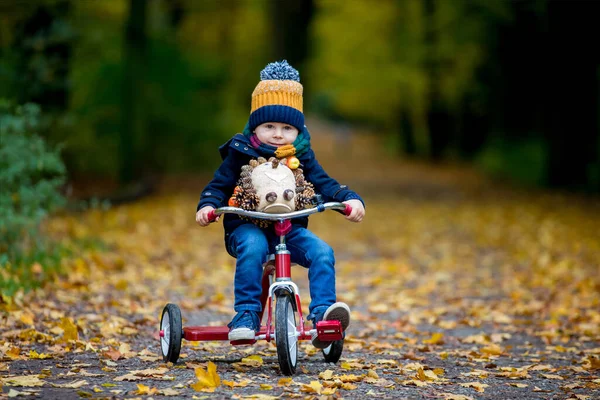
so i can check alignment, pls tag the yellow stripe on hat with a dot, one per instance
(277, 92)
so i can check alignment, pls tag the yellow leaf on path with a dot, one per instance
(451, 396)
(436, 338)
(519, 385)
(35, 355)
(326, 375)
(24, 381)
(143, 389)
(233, 384)
(169, 392)
(156, 373)
(480, 387)
(71, 385)
(552, 376)
(14, 353)
(253, 360)
(426, 375)
(265, 386)
(352, 365)
(15, 393)
(313, 387)
(329, 391)
(348, 386)
(284, 381)
(207, 379)
(372, 374)
(492, 349)
(592, 363)
(27, 318)
(350, 378)
(414, 382)
(69, 328)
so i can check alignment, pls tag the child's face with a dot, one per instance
(276, 133)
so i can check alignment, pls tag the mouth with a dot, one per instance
(277, 208)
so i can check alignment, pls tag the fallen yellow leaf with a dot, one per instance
(480, 387)
(207, 379)
(436, 338)
(69, 328)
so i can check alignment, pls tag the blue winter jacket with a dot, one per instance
(238, 152)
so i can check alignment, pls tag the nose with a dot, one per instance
(278, 132)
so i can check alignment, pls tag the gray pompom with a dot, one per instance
(280, 70)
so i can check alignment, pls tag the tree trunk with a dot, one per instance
(439, 121)
(572, 94)
(406, 133)
(133, 124)
(44, 57)
(291, 30)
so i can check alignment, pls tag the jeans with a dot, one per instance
(251, 245)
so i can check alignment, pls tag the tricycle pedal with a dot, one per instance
(329, 331)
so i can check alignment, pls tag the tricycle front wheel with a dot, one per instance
(286, 337)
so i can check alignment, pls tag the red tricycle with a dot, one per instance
(279, 294)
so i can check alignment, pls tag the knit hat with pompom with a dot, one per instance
(277, 97)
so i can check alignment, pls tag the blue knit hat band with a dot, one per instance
(277, 113)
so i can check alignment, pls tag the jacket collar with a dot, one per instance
(242, 144)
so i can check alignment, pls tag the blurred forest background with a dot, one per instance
(129, 88)
(124, 90)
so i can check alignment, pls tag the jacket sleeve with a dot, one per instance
(324, 184)
(220, 188)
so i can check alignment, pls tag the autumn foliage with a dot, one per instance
(459, 288)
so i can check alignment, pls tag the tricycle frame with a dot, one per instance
(276, 283)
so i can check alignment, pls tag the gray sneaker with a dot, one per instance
(336, 312)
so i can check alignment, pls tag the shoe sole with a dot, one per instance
(335, 312)
(241, 334)
(338, 312)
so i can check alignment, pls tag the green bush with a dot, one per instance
(31, 174)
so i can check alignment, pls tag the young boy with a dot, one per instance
(276, 128)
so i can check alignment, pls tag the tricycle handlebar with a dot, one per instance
(345, 208)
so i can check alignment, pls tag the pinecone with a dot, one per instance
(261, 160)
(247, 168)
(253, 164)
(239, 197)
(249, 202)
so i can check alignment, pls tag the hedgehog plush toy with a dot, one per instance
(271, 187)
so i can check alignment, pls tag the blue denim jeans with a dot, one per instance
(251, 245)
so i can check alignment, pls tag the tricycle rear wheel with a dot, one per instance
(333, 352)
(172, 332)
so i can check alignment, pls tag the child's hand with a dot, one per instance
(202, 215)
(358, 210)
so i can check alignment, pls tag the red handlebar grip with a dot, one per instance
(348, 210)
(211, 216)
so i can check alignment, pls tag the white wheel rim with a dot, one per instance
(291, 333)
(165, 340)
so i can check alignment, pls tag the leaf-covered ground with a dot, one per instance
(459, 289)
